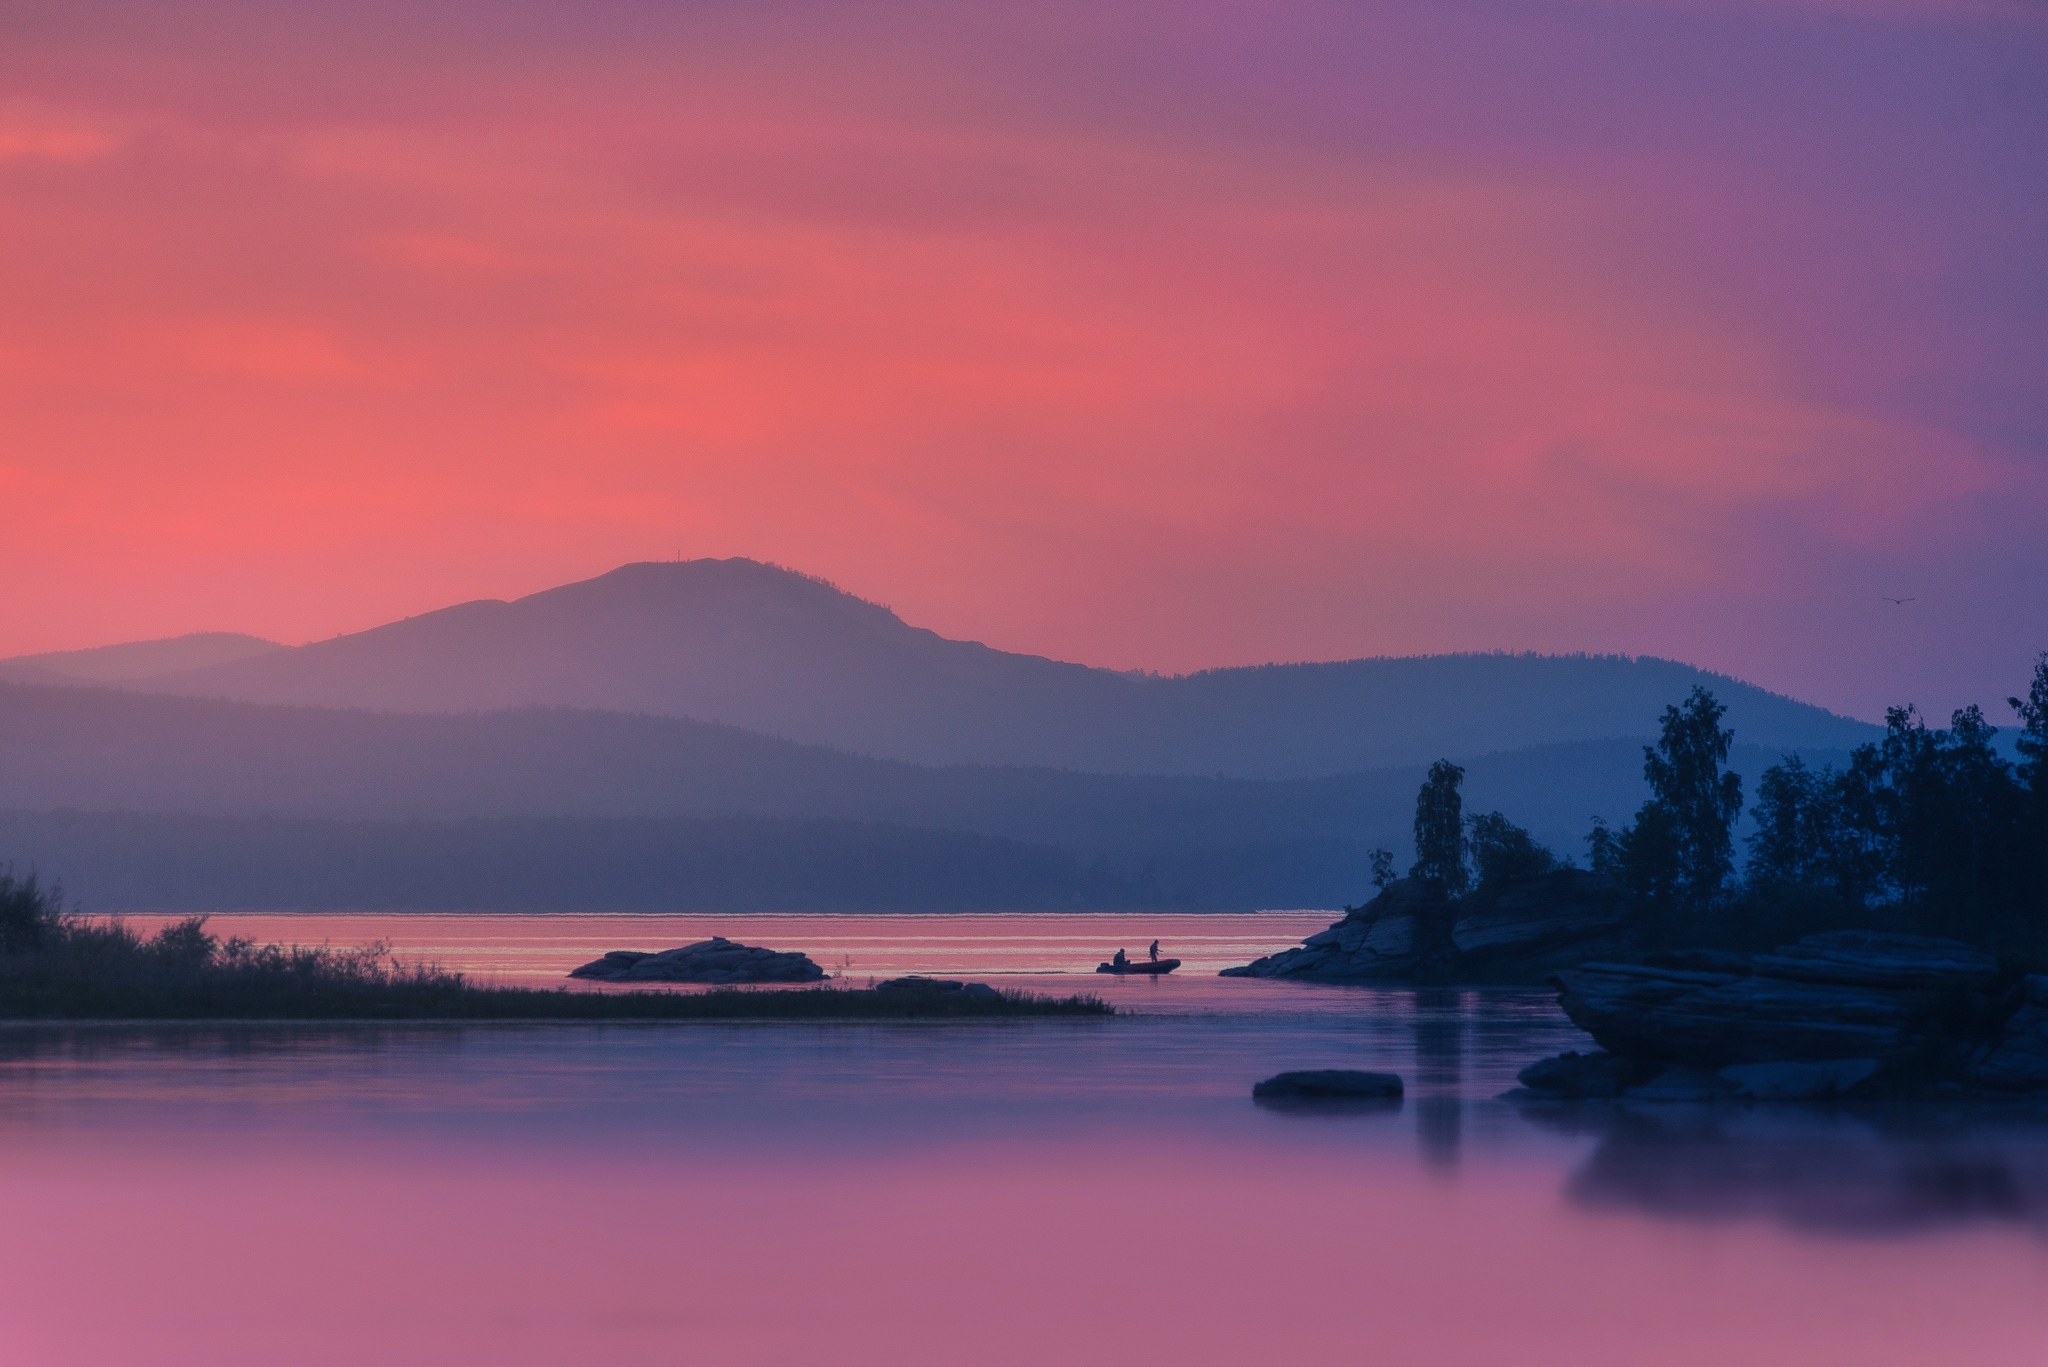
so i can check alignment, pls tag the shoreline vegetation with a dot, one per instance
(1926, 832)
(57, 966)
(1888, 937)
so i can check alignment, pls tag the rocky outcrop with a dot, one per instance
(1570, 913)
(1845, 1014)
(1328, 1084)
(1414, 931)
(716, 960)
(1840, 995)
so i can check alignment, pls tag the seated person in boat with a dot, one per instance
(1121, 959)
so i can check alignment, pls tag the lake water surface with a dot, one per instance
(1095, 1191)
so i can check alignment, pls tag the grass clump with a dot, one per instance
(55, 965)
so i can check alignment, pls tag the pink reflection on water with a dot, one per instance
(1133, 1251)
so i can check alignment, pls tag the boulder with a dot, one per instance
(1799, 1081)
(2018, 1061)
(1328, 1084)
(1577, 1076)
(716, 960)
(1841, 995)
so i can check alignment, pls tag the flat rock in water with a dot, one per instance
(1328, 1084)
(716, 960)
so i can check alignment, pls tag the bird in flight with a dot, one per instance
(1900, 601)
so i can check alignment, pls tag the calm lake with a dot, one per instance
(1097, 1191)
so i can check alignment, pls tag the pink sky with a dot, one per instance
(1143, 335)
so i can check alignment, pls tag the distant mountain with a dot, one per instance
(137, 659)
(780, 653)
(381, 788)
(125, 861)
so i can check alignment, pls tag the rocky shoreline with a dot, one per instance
(1841, 1015)
(1414, 931)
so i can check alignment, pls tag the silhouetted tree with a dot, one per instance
(1858, 865)
(2033, 775)
(1382, 868)
(1503, 852)
(27, 912)
(1680, 850)
(1934, 822)
(1603, 849)
(1794, 816)
(1951, 811)
(1440, 828)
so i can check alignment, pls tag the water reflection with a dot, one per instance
(1440, 1076)
(1331, 1107)
(1889, 1172)
(549, 1193)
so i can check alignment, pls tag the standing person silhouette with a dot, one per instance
(1155, 951)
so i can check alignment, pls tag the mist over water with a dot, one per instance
(1011, 1192)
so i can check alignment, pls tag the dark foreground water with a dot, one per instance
(1007, 1193)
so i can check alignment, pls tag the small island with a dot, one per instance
(58, 966)
(716, 960)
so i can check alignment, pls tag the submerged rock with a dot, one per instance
(1328, 1084)
(1415, 931)
(716, 960)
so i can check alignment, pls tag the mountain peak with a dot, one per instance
(789, 654)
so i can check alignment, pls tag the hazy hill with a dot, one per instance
(773, 651)
(573, 776)
(123, 861)
(137, 659)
